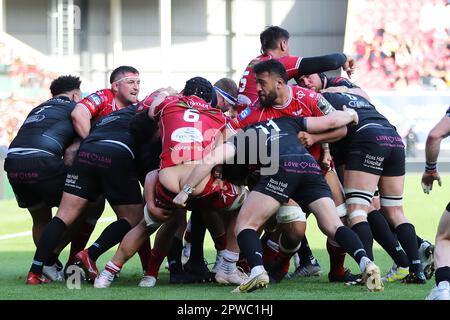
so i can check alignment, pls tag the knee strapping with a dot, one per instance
(148, 219)
(285, 250)
(287, 214)
(341, 210)
(391, 201)
(357, 213)
(356, 196)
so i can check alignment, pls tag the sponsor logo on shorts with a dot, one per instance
(373, 162)
(277, 187)
(71, 181)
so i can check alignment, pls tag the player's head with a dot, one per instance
(68, 86)
(226, 92)
(273, 38)
(313, 81)
(271, 77)
(201, 88)
(125, 84)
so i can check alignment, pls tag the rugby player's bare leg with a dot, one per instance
(41, 216)
(359, 188)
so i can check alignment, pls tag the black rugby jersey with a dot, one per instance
(262, 140)
(115, 128)
(48, 127)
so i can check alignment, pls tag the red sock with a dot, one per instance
(145, 252)
(156, 258)
(269, 254)
(220, 242)
(337, 257)
(242, 263)
(80, 240)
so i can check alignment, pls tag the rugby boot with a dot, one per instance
(88, 265)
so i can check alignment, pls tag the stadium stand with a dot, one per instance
(399, 46)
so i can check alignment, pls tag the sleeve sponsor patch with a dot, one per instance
(245, 113)
(95, 99)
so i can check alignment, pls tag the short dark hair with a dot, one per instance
(271, 36)
(121, 70)
(228, 85)
(64, 84)
(271, 66)
(201, 88)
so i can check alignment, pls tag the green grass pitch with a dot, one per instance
(16, 254)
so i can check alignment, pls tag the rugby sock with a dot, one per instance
(406, 235)
(242, 263)
(229, 259)
(386, 238)
(51, 260)
(271, 251)
(251, 247)
(112, 268)
(305, 253)
(187, 232)
(220, 242)
(198, 230)
(80, 240)
(337, 258)
(111, 236)
(442, 274)
(350, 242)
(144, 254)
(156, 259)
(174, 256)
(419, 241)
(362, 229)
(50, 238)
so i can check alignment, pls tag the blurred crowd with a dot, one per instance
(23, 85)
(403, 44)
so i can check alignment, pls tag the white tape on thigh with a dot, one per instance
(237, 203)
(287, 214)
(341, 210)
(283, 249)
(148, 220)
(391, 201)
(357, 213)
(355, 196)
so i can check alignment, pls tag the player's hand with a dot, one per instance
(306, 139)
(335, 89)
(326, 160)
(171, 91)
(427, 180)
(353, 113)
(180, 199)
(349, 65)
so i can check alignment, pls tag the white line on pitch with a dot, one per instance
(28, 233)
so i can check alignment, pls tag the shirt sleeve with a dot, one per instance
(291, 64)
(95, 102)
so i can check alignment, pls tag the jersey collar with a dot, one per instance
(287, 103)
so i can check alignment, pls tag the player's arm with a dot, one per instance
(344, 89)
(326, 63)
(333, 120)
(81, 120)
(219, 155)
(432, 148)
(71, 152)
(155, 99)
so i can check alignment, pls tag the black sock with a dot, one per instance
(251, 247)
(419, 241)
(442, 274)
(349, 241)
(51, 260)
(51, 237)
(362, 229)
(174, 256)
(198, 230)
(111, 236)
(406, 235)
(304, 253)
(385, 237)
